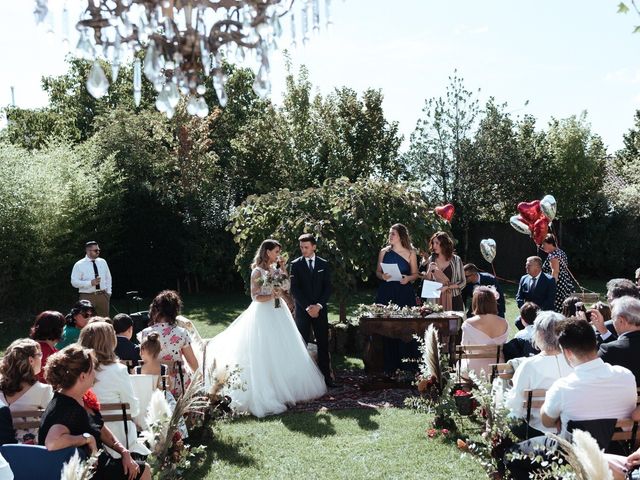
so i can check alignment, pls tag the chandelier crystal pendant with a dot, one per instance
(184, 42)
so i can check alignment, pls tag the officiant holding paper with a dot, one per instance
(398, 255)
(445, 267)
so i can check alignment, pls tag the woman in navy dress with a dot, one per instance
(399, 251)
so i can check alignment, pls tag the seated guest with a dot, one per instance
(616, 288)
(67, 422)
(604, 309)
(536, 287)
(594, 390)
(76, 319)
(624, 351)
(569, 306)
(19, 387)
(126, 349)
(175, 340)
(484, 328)
(113, 384)
(522, 344)
(539, 371)
(476, 278)
(47, 331)
(149, 351)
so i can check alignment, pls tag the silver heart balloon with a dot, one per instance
(519, 225)
(488, 249)
(549, 206)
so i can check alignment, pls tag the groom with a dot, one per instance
(311, 287)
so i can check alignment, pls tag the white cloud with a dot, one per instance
(625, 75)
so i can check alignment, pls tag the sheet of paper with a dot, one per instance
(430, 289)
(393, 270)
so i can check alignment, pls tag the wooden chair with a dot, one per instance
(26, 419)
(469, 352)
(502, 370)
(116, 412)
(533, 399)
(178, 367)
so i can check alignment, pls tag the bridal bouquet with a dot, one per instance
(275, 279)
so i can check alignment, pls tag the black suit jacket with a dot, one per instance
(485, 279)
(127, 350)
(543, 295)
(624, 352)
(309, 288)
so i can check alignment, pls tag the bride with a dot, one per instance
(264, 343)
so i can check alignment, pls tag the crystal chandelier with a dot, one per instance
(185, 41)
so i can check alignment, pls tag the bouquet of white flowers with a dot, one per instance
(276, 280)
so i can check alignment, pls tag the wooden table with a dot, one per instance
(374, 328)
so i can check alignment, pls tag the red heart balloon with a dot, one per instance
(530, 211)
(540, 230)
(446, 211)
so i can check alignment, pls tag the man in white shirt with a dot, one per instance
(594, 390)
(92, 278)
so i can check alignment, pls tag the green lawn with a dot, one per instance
(348, 444)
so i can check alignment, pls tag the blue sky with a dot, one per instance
(563, 56)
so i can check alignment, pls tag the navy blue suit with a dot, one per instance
(310, 288)
(543, 295)
(488, 280)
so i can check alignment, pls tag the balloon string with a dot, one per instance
(499, 278)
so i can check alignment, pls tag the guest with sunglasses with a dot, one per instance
(92, 278)
(75, 321)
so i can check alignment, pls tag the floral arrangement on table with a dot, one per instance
(436, 385)
(393, 310)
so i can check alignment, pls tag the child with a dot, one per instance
(149, 352)
(126, 350)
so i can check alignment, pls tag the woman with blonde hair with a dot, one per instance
(265, 345)
(19, 387)
(113, 384)
(70, 420)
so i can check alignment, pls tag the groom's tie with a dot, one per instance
(310, 265)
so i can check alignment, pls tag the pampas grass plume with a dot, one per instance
(590, 456)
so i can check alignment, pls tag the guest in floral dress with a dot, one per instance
(175, 340)
(557, 265)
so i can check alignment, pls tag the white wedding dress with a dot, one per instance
(275, 367)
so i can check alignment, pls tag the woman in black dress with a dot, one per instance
(557, 265)
(72, 418)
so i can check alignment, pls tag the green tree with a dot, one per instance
(350, 219)
(440, 143)
(575, 171)
(71, 112)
